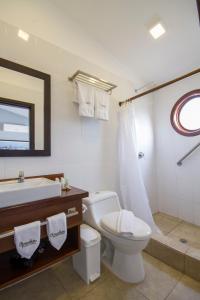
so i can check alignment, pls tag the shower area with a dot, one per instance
(168, 130)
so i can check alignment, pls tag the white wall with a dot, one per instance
(178, 188)
(84, 149)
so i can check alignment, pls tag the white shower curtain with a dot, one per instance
(133, 192)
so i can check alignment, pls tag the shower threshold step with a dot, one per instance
(175, 253)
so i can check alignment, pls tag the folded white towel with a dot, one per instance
(57, 230)
(102, 101)
(27, 238)
(85, 98)
(126, 223)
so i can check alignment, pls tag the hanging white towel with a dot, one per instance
(85, 98)
(27, 238)
(57, 230)
(102, 100)
(126, 222)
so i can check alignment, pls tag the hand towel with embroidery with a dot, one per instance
(57, 230)
(27, 238)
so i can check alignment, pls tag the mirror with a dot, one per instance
(24, 111)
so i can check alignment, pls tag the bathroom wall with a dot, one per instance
(84, 149)
(178, 188)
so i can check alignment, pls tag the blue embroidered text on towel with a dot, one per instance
(57, 230)
(27, 238)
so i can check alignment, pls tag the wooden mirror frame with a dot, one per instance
(47, 110)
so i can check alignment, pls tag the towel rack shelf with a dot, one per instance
(12, 274)
(11, 232)
(92, 80)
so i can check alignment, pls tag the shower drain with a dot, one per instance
(184, 241)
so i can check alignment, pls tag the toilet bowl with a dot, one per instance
(120, 253)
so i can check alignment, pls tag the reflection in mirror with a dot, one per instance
(16, 125)
(29, 91)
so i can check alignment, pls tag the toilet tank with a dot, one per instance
(99, 204)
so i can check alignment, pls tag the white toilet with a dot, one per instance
(122, 254)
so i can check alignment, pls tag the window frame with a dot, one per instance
(31, 109)
(176, 110)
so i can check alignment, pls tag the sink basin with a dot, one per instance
(13, 193)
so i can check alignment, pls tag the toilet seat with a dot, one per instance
(141, 230)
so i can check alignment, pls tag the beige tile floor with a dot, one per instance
(176, 229)
(62, 283)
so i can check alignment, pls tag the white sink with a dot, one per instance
(13, 193)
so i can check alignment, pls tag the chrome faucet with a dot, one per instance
(21, 176)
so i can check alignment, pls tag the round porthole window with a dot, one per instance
(185, 115)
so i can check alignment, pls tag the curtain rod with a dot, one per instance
(159, 87)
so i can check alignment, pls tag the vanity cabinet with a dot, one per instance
(70, 202)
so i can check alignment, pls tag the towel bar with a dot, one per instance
(180, 162)
(92, 80)
(11, 232)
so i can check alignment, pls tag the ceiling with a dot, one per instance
(121, 26)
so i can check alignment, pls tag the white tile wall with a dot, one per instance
(178, 188)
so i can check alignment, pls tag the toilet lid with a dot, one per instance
(136, 228)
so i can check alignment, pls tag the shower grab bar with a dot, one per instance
(11, 232)
(180, 162)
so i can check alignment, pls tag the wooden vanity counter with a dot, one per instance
(69, 202)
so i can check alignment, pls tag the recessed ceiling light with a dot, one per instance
(157, 30)
(23, 35)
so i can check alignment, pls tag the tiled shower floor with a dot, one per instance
(169, 246)
(178, 229)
